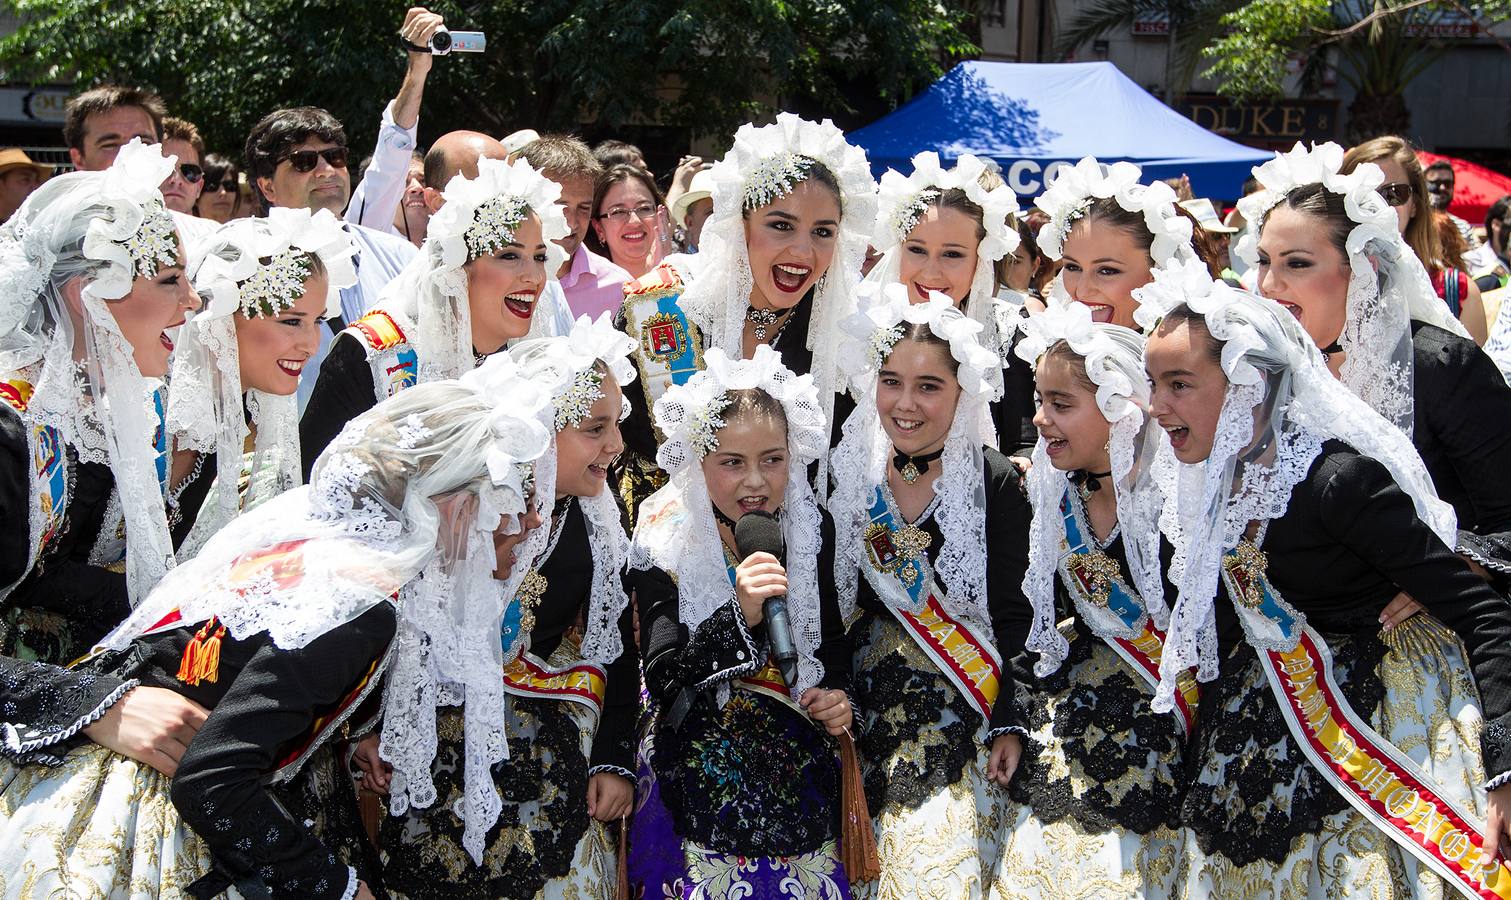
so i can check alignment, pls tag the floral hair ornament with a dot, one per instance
(903, 199)
(140, 238)
(1075, 188)
(885, 314)
(1117, 394)
(482, 214)
(690, 415)
(590, 342)
(1388, 288)
(1192, 284)
(287, 238)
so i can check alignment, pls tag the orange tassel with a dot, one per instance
(623, 891)
(857, 840)
(201, 660)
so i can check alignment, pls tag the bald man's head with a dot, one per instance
(456, 153)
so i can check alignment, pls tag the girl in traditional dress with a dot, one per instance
(917, 498)
(476, 284)
(1099, 783)
(778, 264)
(91, 280)
(945, 231)
(1319, 763)
(282, 626)
(573, 675)
(1110, 234)
(1329, 251)
(269, 285)
(739, 790)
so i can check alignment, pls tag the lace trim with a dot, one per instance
(993, 733)
(288, 771)
(624, 773)
(351, 884)
(35, 740)
(745, 668)
(1468, 548)
(1498, 781)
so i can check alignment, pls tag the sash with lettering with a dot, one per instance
(670, 347)
(282, 564)
(394, 364)
(767, 680)
(1115, 613)
(900, 573)
(1377, 779)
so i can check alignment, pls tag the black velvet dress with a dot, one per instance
(1348, 541)
(256, 784)
(538, 842)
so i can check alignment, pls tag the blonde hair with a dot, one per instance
(1422, 231)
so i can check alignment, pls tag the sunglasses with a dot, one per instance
(1397, 193)
(191, 172)
(306, 160)
(228, 181)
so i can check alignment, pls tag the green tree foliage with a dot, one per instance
(705, 65)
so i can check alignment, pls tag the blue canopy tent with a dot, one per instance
(1033, 117)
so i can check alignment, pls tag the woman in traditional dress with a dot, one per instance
(778, 264)
(1099, 783)
(1110, 234)
(739, 784)
(573, 674)
(1328, 759)
(282, 626)
(477, 283)
(91, 280)
(1329, 251)
(945, 231)
(938, 525)
(268, 286)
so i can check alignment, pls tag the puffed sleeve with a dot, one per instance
(45, 708)
(343, 390)
(721, 648)
(1007, 527)
(614, 743)
(1364, 509)
(219, 789)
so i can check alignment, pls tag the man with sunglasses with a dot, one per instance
(1440, 182)
(181, 188)
(297, 158)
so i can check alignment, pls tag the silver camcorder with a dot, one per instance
(444, 42)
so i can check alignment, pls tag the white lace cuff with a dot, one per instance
(351, 884)
(626, 774)
(993, 733)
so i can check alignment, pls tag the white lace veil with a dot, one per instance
(104, 228)
(479, 216)
(1073, 190)
(676, 530)
(902, 200)
(1388, 286)
(249, 267)
(757, 170)
(1114, 361)
(571, 369)
(1281, 404)
(860, 461)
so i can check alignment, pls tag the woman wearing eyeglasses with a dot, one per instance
(1405, 189)
(220, 199)
(1330, 251)
(630, 224)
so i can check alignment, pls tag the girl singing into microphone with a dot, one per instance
(739, 780)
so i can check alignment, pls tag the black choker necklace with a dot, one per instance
(1088, 482)
(762, 319)
(1330, 349)
(723, 519)
(912, 467)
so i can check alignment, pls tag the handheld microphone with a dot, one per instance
(760, 532)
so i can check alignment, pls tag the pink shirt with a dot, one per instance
(593, 284)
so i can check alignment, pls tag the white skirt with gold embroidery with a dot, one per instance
(100, 827)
